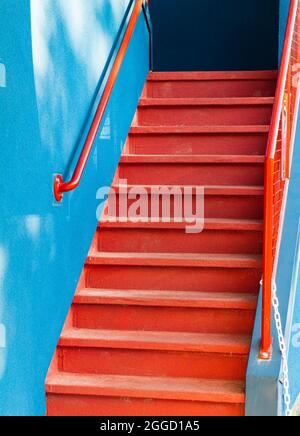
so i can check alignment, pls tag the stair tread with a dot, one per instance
(209, 190)
(212, 75)
(167, 298)
(225, 101)
(192, 159)
(176, 259)
(156, 340)
(209, 224)
(198, 129)
(188, 389)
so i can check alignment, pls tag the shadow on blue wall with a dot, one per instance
(53, 57)
(283, 13)
(215, 34)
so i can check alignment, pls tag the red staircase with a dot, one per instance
(162, 320)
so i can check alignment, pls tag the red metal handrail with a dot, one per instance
(59, 185)
(277, 166)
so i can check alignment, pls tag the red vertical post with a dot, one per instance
(266, 341)
(287, 103)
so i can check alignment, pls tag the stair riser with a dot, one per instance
(177, 241)
(163, 319)
(79, 405)
(154, 363)
(198, 174)
(208, 88)
(199, 144)
(174, 279)
(204, 115)
(215, 206)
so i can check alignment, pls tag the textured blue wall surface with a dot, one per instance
(53, 60)
(264, 390)
(264, 387)
(293, 317)
(215, 34)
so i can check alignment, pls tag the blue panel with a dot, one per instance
(53, 56)
(215, 34)
(264, 377)
(293, 323)
(264, 388)
(284, 10)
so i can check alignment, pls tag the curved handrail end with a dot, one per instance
(58, 193)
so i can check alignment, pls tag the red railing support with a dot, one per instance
(60, 187)
(277, 169)
(266, 337)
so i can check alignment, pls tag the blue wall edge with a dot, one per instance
(262, 377)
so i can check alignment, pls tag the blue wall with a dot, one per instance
(283, 11)
(54, 56)
(293, 318)
(215, 34)
(264, 389)
(264, 383)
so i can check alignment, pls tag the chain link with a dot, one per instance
(283, 349)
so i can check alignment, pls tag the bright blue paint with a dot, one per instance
(293, 325)
(289, 246)
(264, 389)
(43, 110)
(284, 10)
(263, 378)
(215, 34)
(2, 76)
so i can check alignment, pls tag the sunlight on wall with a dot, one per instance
(70, 46)
(2, 336)
(296, 410)
(2, 76)
(3, 267)
(88, 40)
(33, 226)
(42, 29)
(89, 43)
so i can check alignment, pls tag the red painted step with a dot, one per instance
(172, 170)
(159, 353)
(109, 395)
(184, 278)
(221, 202)
(161, 322)
(166, 299)
(197, 312)
(219, 236)
(211, 84)
(184, 260)
(205, 112)
(198, 140)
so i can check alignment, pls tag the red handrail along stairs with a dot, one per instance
(278, 164)
(60, 187)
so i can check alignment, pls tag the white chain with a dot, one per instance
(283, 349)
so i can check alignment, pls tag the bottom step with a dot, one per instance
(142, 396)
